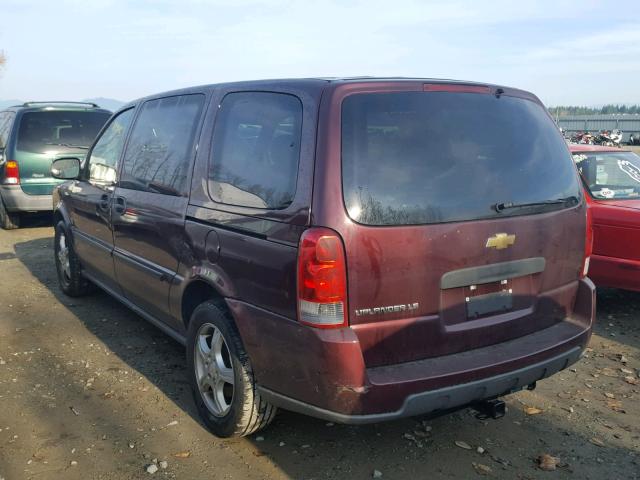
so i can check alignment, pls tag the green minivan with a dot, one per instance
(32, 135)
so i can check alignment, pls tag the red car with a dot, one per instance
(611, 178)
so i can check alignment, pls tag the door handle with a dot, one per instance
(103, 204)
(120, 205)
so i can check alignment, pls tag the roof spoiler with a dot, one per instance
(31, 104)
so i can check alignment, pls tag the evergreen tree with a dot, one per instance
(566, 110)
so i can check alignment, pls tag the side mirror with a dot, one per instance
(66, 168)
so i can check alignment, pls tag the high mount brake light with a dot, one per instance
(454, 88)
(11, 173)
(322, 279)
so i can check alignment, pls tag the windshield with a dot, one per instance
(433, 157)
(610, 175)
(40, 131)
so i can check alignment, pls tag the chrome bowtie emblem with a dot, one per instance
(500, 241)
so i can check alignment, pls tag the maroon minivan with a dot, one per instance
(357, 249)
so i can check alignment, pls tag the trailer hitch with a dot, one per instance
(490, 409)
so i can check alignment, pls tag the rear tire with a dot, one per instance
(68, 266)
(8, 220)
(221, 376)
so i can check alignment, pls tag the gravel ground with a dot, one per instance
(88, 390)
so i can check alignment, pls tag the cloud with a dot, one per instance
(129, 49)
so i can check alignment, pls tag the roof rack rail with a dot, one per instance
(91, 104)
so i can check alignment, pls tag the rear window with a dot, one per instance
(433, 157)
(39, 131)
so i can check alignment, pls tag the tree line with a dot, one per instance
(562, 111)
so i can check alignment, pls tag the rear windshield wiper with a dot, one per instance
(499, 207)
(84, 147)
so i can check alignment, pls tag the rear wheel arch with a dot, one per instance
(196, 293)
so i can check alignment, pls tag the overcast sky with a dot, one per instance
(567, 52)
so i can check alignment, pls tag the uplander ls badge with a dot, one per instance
(405, 307)
(500, 241)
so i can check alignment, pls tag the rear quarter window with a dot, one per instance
(256, 148)
(6, 120)
(433, 157)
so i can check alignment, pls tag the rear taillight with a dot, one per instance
(588, 245)
(11, 173)
(322, 279)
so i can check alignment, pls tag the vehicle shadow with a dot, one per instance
(303, 447)
(617, 316)
(142, 346)
(36, 220)
(70, 405)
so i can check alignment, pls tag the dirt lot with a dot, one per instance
(89, 390)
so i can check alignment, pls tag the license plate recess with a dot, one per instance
(481, 305)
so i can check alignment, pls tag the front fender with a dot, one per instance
(60, 208)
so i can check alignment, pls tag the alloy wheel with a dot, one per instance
(63, 255)
(214, 370)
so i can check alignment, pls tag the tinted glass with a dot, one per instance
(430, 157)
(38, 131)
(5, 126)
(162, 144)
(256, 147)
(103, 162)
(610, 175)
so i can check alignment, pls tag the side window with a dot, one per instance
(256, 148)
(103, 162)
(161, 145)
(5, 126)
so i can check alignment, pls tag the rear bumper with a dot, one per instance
(322, 373)
(615, 272)
(442, 399)
(16, 200)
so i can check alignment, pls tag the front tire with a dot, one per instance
(221, 376)
(68, 266)
(8, 220)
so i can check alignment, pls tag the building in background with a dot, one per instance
(628, 124)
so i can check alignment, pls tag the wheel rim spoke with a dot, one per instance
(63, 255)
(202, 349)
(216, 343)
(226, 375)
(205, 383)
(213, 369)
(219, 395)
